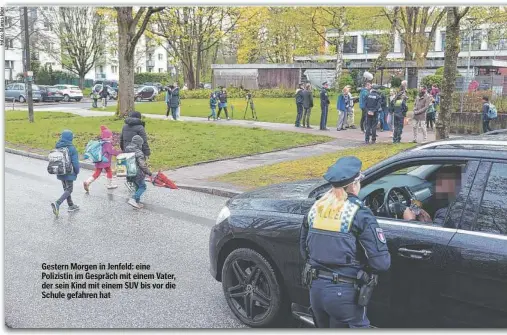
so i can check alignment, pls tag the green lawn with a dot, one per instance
(308, 168)
(173, 144)
(279, 110)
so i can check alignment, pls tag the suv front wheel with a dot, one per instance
(251, 288)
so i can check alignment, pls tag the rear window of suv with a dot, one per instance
(74, 87)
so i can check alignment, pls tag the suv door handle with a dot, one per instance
(414, 254)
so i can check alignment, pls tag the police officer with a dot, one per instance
(342, 242)
(324, 106)
(400, 112)
(373, 107)
(299, 104)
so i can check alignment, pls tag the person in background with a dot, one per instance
(350, 111)
(390, 115)
(382, 115)
(168, 114)
(175, 102)
(373, 107)
(342, 107)
(222, 103)
(142, 170)
(485, 117)
(422, 102)
(362, 104)
(134, 126)
(400, 111)
(430, 115)
(307, 105)
(324, 106)
(107, 151)
(68, 179)
(299, 105)
(103, 95)
(213, 106)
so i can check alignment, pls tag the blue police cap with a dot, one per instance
(344, 171)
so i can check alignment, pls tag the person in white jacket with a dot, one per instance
(350, 111)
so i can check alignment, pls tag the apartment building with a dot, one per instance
(149, 56)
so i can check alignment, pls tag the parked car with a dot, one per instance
(70, 92)
(112, 94)
(159, 86)
(146, 93)
(18, 92)
(452, 274)
(111, 83)
(50, 93)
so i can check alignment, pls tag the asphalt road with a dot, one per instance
(171, 234)
(84, 104)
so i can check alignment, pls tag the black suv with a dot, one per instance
(447, 274)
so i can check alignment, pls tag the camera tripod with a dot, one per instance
(250, 103)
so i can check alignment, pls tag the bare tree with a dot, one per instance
(192, 32)
(386, 48)
(130, 29)
(76, 39)
(452, 48)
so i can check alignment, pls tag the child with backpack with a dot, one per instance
(488, 113)
(64, 162)
(142, 170)
(107, 152)
(213, 106)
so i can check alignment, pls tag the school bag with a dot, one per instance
(93, 152)
(492, 113)
(126, 165)
(60, 162)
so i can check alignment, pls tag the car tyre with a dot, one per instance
(78, 100)
(251, 288)
(21, 99)
(138, 99)
(66, 98)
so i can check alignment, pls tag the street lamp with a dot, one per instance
(470, 20)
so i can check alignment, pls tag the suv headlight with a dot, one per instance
(224, 214)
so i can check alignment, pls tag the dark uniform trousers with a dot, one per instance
(363, 119)
(299, 114)
(371, 128)
(323, 118)
(398, 127)
(334, 305)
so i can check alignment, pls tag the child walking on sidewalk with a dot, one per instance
(107, 151)
(213, 106)
(142, 170)
(65, 143)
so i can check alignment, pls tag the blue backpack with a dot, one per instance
(492, 113)
(93, 152)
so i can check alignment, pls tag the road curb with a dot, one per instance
(222, 192)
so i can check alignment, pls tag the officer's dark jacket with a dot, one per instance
(401, 95)
(373, 102)
(324, 99)
(299, 96)
(346, 251)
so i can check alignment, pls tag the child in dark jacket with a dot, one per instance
(67, 179)
(142, 170)
(108, 152)
(213, 106)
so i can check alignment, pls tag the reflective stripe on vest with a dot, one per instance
(341, 222)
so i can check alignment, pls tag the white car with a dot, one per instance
(70, 92)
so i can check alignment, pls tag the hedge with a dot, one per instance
(152, 77)
(234, 92)
(472, 102)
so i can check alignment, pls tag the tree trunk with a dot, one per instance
(449, 81)
(81, 81)
(382, 58)
(339, 54)
(126, 62)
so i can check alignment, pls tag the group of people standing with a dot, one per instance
(173, 102)
(389, 113)
(218, 98)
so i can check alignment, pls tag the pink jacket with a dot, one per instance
(107, 151)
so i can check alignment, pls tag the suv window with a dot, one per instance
(492, 217)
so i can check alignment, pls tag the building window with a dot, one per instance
(443, 40)
(496, 43)
(476, 40)
(150, 56)
(350, 45)
(138, 69)
(101, 69)
(114, 69)
(159, 56)
(160, 70)
(9, 64)
(9, 43)
(372, 45)
(150, 69)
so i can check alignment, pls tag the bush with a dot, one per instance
(395, 82)
(472, 101)
(428, 81)
(152, 77)
(345, 79)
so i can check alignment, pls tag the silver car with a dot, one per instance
(17, 92)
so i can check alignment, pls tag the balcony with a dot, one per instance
(150, 63)
(100, 76)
